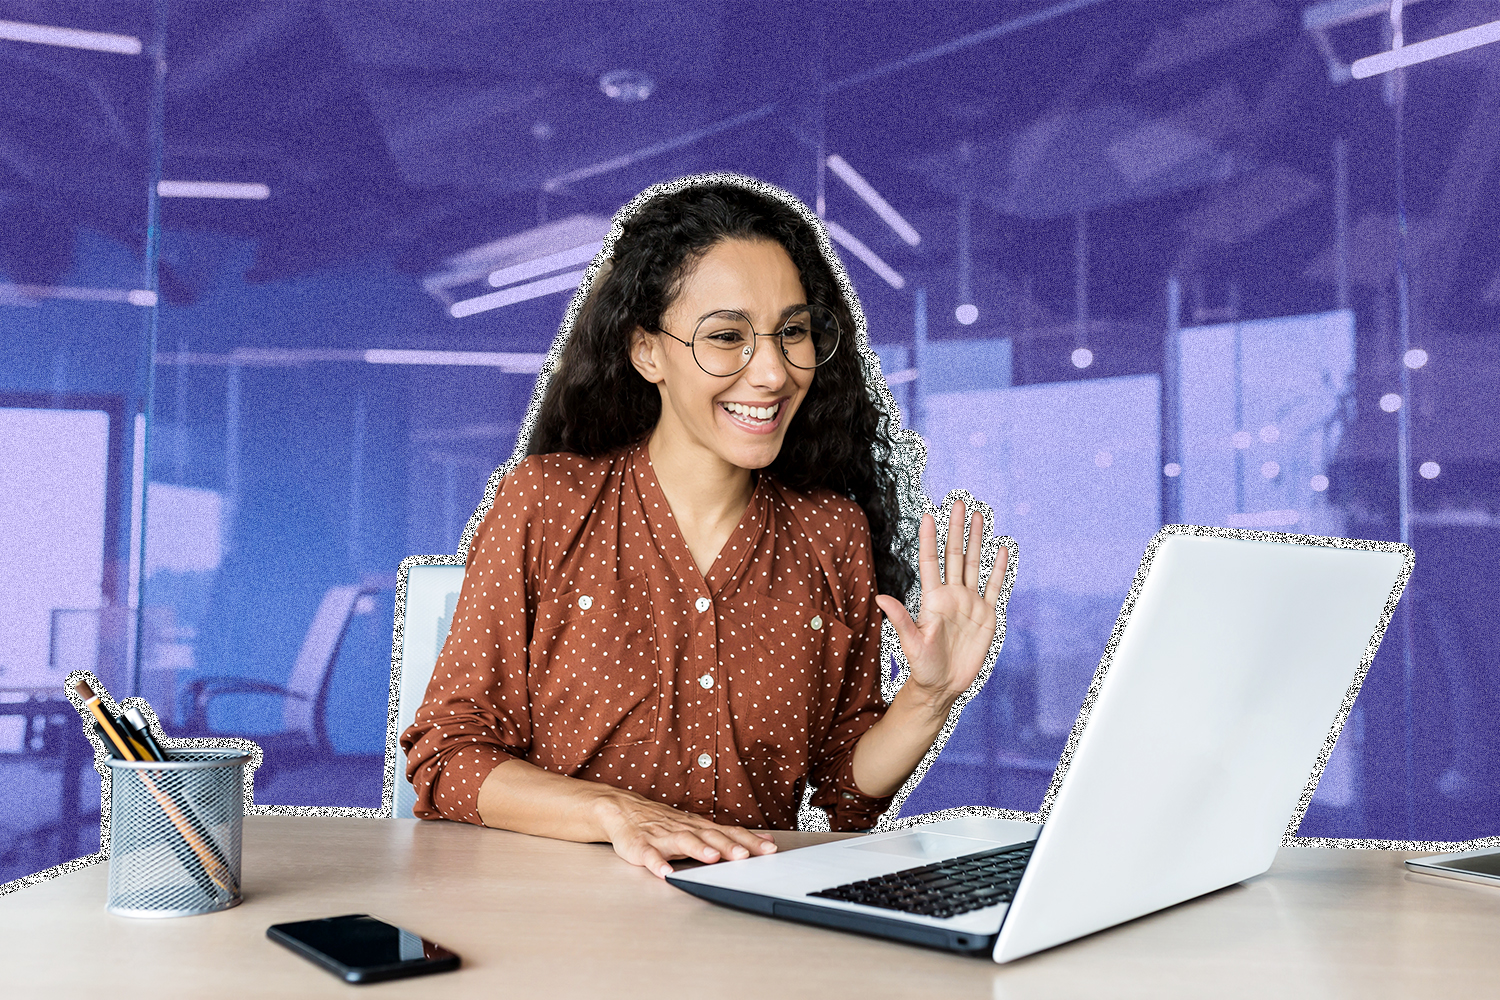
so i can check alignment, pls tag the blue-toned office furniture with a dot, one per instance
(304, 731)
(431, 596)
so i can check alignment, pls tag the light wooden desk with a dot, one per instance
(539, 918)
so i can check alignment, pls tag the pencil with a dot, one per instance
(112, 734)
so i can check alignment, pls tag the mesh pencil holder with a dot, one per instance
(175, 833)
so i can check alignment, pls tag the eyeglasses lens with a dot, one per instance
(725, 341)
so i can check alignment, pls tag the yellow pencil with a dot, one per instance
(111, 731)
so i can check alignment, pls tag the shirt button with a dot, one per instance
(585, 602)
(817, 622)
(706, 681)
(702, 604)
(704, 760)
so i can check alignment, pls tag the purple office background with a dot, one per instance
(1124, 264)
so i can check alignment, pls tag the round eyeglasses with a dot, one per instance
(724, 341)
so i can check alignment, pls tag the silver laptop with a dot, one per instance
(1236, 657)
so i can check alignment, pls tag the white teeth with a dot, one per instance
(756, 412)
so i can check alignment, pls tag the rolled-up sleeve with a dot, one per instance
(476, 714)
(860, 704)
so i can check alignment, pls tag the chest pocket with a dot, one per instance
(783, 685)
(594, 678)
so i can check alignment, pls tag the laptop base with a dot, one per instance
(965, 942)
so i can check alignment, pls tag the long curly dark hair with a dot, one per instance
(596, 402)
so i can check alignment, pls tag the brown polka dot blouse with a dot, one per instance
(587, 642)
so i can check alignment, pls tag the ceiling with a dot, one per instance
(1165, 138)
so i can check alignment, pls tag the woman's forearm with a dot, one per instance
(522, 797)
(890, 750)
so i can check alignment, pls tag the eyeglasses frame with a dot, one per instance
(780, 332)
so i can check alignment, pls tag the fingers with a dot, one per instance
(651, 860)
(655, 851)
(660, 834)
(896, 612)
(997, 576)
(961, 563)
(953, 551)
(901, 620)
(735, 842)
(927, 560)
(971, 557)
(721, 840)
(754, 842)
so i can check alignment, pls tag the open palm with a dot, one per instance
(947, 650)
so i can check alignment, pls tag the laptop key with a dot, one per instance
(945, 889)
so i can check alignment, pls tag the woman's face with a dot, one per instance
(706, 413)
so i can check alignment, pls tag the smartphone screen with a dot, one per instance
(362, 949)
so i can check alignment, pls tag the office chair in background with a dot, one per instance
(431, 596)
(304, 732)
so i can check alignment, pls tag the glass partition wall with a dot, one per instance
(77, 316)
(276, 284)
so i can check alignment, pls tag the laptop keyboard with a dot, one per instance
(944, 889)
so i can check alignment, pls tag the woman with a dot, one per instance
(670, 620)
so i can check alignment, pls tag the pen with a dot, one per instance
(135, 724)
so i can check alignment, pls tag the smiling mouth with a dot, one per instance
(753, 414)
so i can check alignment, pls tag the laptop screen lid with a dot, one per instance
(1235, 658)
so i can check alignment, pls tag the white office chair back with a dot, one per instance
(431, 595)
(315, 659)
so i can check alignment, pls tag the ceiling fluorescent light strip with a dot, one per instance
(70, 38)
(516, 293)
(30, 293)
(1420, 52)
(851, 243)
(212, 189)
(281, 357)
(514, 362)
(544, 265)
(263, 357)
(871, 197)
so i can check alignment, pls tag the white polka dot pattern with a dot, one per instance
(587, 642)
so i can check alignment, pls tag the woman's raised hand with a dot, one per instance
(947, 650)
(650, 834)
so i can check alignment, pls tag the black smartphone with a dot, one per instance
(359, 948)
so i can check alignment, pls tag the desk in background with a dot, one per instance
(541, 918)
(50, 739)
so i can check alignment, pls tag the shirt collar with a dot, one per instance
(747, 536)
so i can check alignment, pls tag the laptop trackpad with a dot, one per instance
(923, 846)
